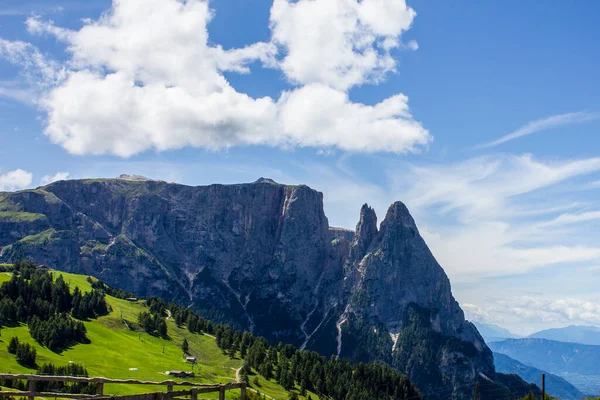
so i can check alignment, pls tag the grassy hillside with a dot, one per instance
(116, 351)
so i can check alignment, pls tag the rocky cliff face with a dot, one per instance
(261, 256)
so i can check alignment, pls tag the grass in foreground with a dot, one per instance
(118, 352)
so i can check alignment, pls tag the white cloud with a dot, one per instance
(35, 25)
(37, 70)
(567, 219)
(412, 45)
(539, 125)
(476, 313)
(59, 176)
(15, 180)
(319, 116)
(94, 114)
(129, 87)
(339, 43)
(537, 311)
(486, 186)
(16, 92)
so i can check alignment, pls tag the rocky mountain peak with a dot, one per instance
(366, 230)
(398, 217)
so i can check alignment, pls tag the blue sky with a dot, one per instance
(483, 117)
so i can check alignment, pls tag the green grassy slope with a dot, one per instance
(116, 351)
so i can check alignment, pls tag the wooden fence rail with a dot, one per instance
(196, 389)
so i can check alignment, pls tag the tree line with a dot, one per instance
(24, 352)
(45, 304)
(293, 368)
(104, 288)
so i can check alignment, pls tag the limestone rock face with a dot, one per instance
(260, 256)
(400, 270)
(366, 230)
(391, 276)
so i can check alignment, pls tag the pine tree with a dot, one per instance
(13, 344)
(26, 355)
(185, 346)
(161, 328)
(178, 317)
(219, 338)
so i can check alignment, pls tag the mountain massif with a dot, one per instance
(262, 257)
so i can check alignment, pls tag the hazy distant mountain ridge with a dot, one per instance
(493, 333)
(577, 363)
(555, 385)
(573, 333)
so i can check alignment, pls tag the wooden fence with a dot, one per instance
(170, 394)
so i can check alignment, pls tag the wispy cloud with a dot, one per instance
(539, 125)
(45, 9)
(539, 311)
(21, 95)
(567, 219)
(12, 12)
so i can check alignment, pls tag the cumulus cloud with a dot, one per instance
(339, 43)
(15, 180)
(320, 116)
(59, 176)
(128, 87)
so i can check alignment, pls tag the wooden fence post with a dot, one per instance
(242, 392)
(194, 394)
(100, 389)
(31, 389)
(222, 393)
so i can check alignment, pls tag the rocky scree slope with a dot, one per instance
(262, 257)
